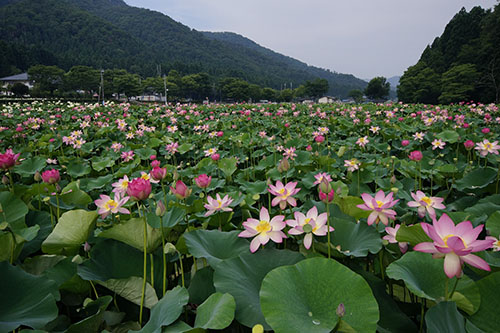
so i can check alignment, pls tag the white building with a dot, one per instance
(19, 78)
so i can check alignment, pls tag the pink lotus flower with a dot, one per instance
(469, 144)
(379, 206)
(320, 176)
(203, 181)
(181, 191)
(425, 203)
(391, 238)
(172, 147)
(310, 224)
(405, 143)
(155, 163)
(486, 147)
(139, 189)
(121, 185)
(363, 141)
(263, 229)
(283, 194)
(416, 155)
(218, 204)
(127, 156)
(319, 138)
(438, 143)
(51, 176)
(455, 243)
(8, 159)
(352, 165)
(158, 173)
(215, 157)
(326, 197)
(107, 205)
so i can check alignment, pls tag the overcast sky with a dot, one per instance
(366, 38)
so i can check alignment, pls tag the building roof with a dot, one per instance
(18, 77)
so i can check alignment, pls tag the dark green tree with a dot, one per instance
(378, 88)
(46, 78)
(419, 84)
(356, 94)
(458, 83)
(19, 89)
(127, 84)
(82, 78)
(316, 88)
(286, 95)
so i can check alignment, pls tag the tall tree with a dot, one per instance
(47, 78)
(378, 88)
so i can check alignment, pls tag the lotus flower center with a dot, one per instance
(263, 226)
(427, 200)
(145, 176)
(306, 221)
(487, 145)
(445, 240)
(125, 184)
(379, 204)
(281, 191)
(219, 204)
(110, 204)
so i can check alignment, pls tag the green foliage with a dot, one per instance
(378, 88)
(19, 89)
(462, 64)
(356, 94)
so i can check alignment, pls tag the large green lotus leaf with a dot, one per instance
(392, 319)
(30, 166)
(425, 277)
(72, 195)
(78, 168)
(10, 246)
(131, 289)
(100, 163)
(413, 234)
(14, 210)
(26, 299)
(72, 230)
(448, 136)
(89, 184)
(228, 166)
(145, 152)
(131, 232)
(167, 310)
(486, 318)
(172, 217)
(242, 277)
(348, 205)
(353, 239)
(304, 298)
(201, 285)
(216, 313)
(95, 316)
(493, 224)
(215, 245)
(110, 259)
(478, 178)
(444, 317)
(34, 219)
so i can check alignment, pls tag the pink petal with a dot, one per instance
(380, 196)
(276, 201)
(264, 214)
(372, 218)
(444, 226)
(452, 265)
(276, 236)
(476, 261)
(426, 247)
(295, 231)
(247, 234)
(481, 245)
(254, 244)
(308, 240)
(366, 198)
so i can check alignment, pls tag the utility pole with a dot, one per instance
(165, 86)
(102, 85)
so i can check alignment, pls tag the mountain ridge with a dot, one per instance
(112, 34)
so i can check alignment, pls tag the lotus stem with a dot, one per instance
(454, 287)
(145, 260)
(446, 290)
(328, 226)
(381, 262)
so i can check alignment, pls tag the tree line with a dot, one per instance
(85, 81)
(462, 64)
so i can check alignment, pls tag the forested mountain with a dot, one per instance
(111, 34)
(462, 64)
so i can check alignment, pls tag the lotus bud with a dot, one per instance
(86, 247)
(340, 310)
(393, 179)
(160, 208)
(37, 176)
(283, 165)
(5, 180)
(325, 186)
(394, 190)
(169, 248)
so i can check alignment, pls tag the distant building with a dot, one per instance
(19, 78)
(327, 100)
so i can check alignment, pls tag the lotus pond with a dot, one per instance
(286, 218)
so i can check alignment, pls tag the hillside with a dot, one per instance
(462, 64)
(111, 34)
